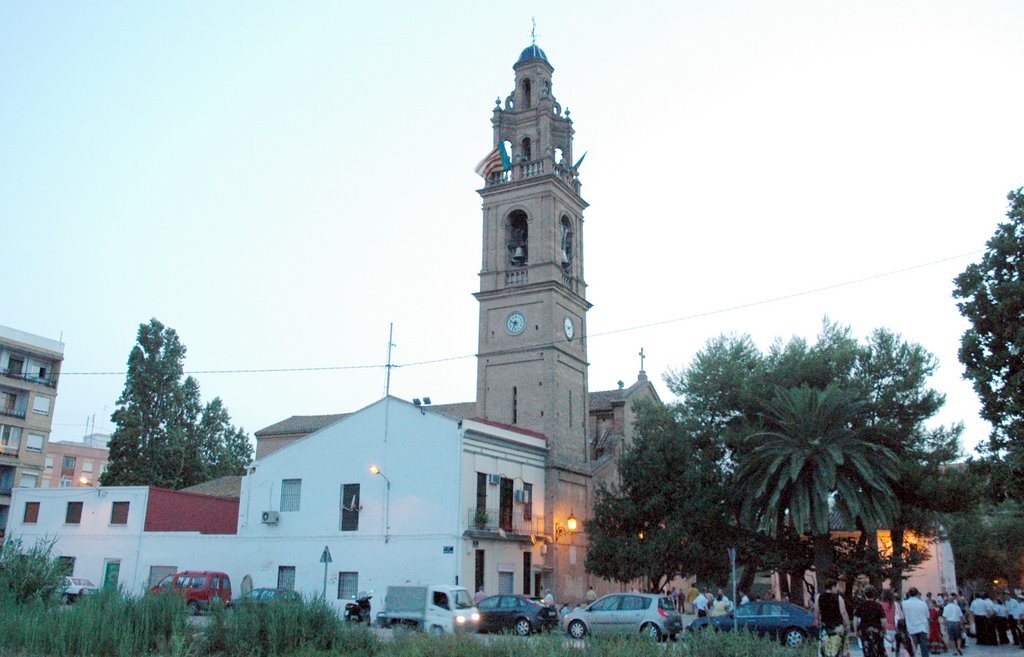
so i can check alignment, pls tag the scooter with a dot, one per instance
(358, 611)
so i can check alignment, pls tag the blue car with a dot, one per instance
(783, 621)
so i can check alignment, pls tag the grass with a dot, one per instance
(112, 624)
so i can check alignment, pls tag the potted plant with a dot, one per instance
(480, 518)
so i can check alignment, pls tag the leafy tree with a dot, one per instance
(812, 450)
(726, 388)
(991, 297)
(988, 542)
(164, 436)
(667, 518)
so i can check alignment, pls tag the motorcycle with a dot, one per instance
(358, 611)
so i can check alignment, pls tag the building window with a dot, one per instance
(527, 503)
(348, 585)
(49, 463)
(8, 402)
(481, 492)
(65, 482)
(10, 440)
(478, 571)
(527, 89)
(119, 513)
(74, 513)
(67, 466)
(527, 567)
(35, 442)
(15, 365)
(87, 466)
(515, 404)
(566, 250)
(31, 513)
(526, 148)
(158, 573)
(286, 577)
(349, 507)
(41, 405)
(291, 491)
(29, 480)
(505, 504)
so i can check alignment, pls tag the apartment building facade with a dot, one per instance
(29, 372)
(68, 464)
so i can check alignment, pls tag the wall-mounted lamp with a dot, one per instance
(387, 500)
(420, 404)
(570, 526)
(84, 481)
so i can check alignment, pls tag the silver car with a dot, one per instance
(647, 613)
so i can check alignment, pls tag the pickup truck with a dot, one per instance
(436, 609)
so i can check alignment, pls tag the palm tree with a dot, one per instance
(814, 448)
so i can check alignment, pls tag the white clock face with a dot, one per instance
(570, 330)
(515, 323)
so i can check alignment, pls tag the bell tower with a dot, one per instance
(532, 355)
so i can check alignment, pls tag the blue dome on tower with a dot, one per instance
(532, 52)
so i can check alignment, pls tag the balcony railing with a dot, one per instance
(532, 169)
(509, 520)
(12, 411)
(9, 450)
(516, 277)
(49, 380)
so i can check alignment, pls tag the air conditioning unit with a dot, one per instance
(269, 517)
(493, 480)
(522, 496)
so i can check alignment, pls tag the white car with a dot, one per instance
(76, 586)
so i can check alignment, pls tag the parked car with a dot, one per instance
(516, 613)
(263, 596)
(198, 587)
(76, 586)
(783, 621)
(648, 613)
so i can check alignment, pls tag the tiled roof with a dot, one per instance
(223, 487)
(303, 424)
(459, 411)
(602, 399)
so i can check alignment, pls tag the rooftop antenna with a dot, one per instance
(387, 380)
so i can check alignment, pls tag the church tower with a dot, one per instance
(532, 356)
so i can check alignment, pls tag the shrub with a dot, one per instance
(30, 574)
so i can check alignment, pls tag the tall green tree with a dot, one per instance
(667, 518)
(812, 451)
(991, 296)
(988, 543)
(163, 434)
(730, 381)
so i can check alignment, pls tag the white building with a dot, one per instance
(453, 501)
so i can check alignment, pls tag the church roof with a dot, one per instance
(532, 52)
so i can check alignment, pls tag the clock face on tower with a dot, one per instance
(515, 323)
(570, 329)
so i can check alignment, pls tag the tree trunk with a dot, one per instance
(896, 534)
(824, 561)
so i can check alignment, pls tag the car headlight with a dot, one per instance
(460, 619)
(475, 617)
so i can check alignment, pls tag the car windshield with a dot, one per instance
(462, 599)
(80, 581)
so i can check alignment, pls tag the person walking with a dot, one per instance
(954, 616)
(830, 615)
(868, 621)
(700, 605)
(915, 611)
(892, 614)
(936, 642)
(591, 596)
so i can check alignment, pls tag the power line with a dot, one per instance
(717, 311)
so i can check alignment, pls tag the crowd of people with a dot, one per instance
(916, 626)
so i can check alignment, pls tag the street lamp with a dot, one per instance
(387, 500)
(570, 526)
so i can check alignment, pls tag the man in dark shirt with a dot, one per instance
(868, 619)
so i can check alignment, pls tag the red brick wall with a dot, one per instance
(176, 511)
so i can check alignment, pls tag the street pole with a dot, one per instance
(732, 561)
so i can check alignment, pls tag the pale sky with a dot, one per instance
(280, 181)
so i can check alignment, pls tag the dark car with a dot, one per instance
(515, 613)
(264, 596)
(783, 621)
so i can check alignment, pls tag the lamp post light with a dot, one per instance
(387, 500)
(570, 526)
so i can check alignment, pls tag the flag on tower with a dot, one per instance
(576, 166)
(495, 160)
